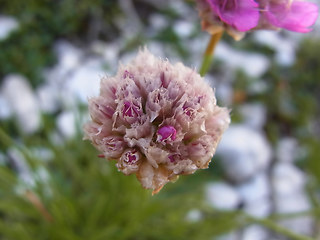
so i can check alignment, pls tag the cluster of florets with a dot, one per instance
(157, 120)
(240, 16)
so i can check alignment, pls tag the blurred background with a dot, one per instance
(263, 183)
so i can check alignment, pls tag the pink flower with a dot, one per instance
(240, 16)
(157, 120)
(234, 16)
(295, 16)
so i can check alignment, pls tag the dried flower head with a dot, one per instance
(240, 16)
(157, 120)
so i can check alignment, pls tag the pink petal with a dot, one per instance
(299, 17)
(243, 15)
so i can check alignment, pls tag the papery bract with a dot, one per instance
(157, 120)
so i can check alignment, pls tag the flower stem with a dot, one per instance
(8, 142)
(37, 203)
(268, 223)
(207, 57)
(5, 139)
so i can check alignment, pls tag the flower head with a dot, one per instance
(240, 16)
(157, 120)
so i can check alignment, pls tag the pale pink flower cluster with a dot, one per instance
(157, 120)
(240, 16)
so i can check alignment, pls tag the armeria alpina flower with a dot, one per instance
(240, 16)
(297, 16)
(234, 16)
(157, 120)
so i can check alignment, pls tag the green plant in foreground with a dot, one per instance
(86, 198)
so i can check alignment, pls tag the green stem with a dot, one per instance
(268, 223)
(207, 57)
(5, 139)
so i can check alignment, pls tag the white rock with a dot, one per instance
(291, 203)
(23, 102)
(109, 51)
(255, 232)
(156, 49)
(5, 111)
(254, 115)
(244, 151)
(7, 26)
(287, 150)
(222, 196)
(255, 189)
(259, 209)
(66, 124)
(182, 9)
(228, 236)
(258, 87)
(196, 47)
(224, 93)
(284, 47)
(48, 98)
(158, 22)
(2, 159)
(295, 203)
(287, 179)
(194, 215)
(84, 82)
(68, 55)
(252, 64)
(42, 153)
(183, 28)
(19, 163)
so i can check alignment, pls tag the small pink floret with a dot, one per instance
(130, 110)
(131, 157)
(128, 74)
(166, 133)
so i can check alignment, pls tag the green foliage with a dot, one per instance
(28, 50)
(88, 199)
